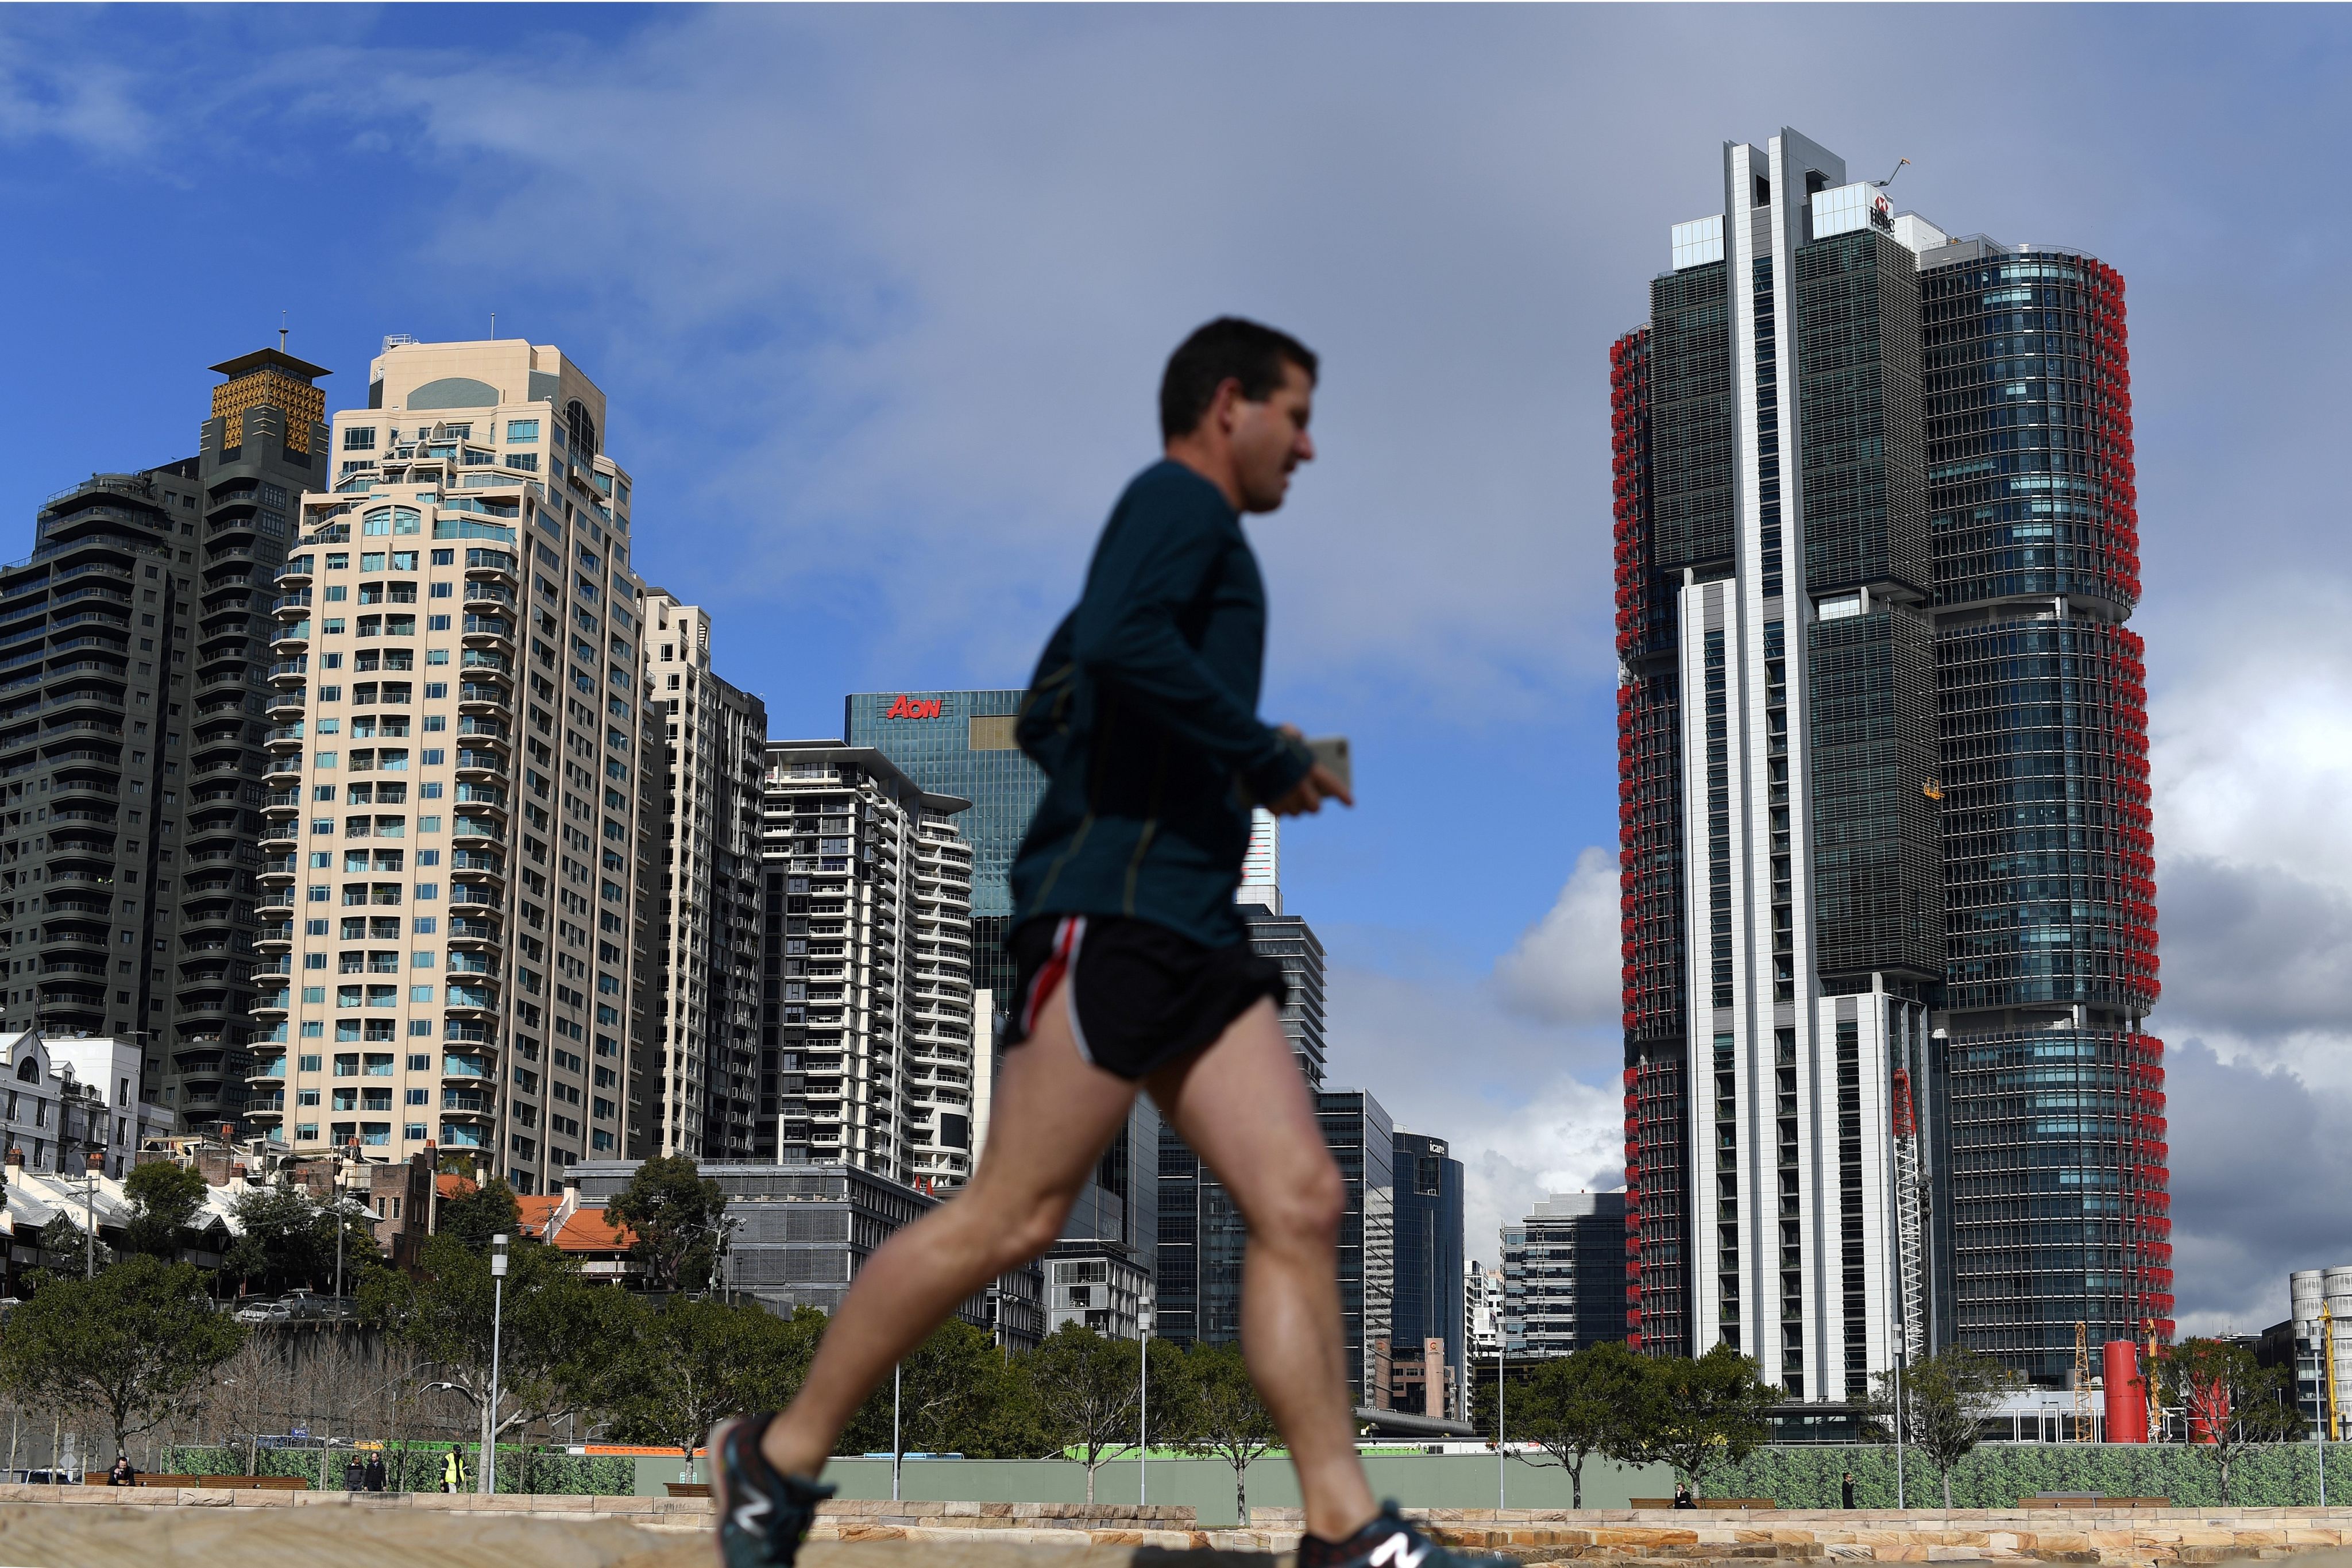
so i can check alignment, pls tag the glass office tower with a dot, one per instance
(2058, 1211)
(1881, 750)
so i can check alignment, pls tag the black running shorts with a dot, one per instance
(1139, 996)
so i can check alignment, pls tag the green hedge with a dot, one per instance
(417, 1467)
(1997, 1474)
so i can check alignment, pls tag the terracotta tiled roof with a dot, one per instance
(454, 1186)
(587, 1231)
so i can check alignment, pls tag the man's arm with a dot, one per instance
(1124, 632)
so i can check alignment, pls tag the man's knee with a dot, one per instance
(1020, 1228)
(1304, 1206)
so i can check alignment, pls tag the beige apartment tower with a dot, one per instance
(464, 781)
(706, 1095)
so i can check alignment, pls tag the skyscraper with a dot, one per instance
(465, 777)
(1427, 1307)
(866, 1046)
(706, 1095)
(1829, 458)
(135, 633)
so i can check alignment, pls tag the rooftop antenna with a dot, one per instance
(281, 331)
(494, 326)
(1900, 163)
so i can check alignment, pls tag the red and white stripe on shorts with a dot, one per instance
(1059, 969)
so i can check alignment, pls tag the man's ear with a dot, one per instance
(1224, 404)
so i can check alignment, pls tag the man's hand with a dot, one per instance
(1308, 795)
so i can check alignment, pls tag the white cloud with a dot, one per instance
(1566, 968)
(1529, 1109)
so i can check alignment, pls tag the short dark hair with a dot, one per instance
(1226, 347)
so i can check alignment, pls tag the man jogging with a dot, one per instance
(1135, 973)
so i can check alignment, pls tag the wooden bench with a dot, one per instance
(689, 1488)
(1748, 1503)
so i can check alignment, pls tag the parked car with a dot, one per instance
(263, 1312)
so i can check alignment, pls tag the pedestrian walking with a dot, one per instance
(354, 1475)
(374, 1475)
(453, 1471)
(1134, 973)
(1847, 1490)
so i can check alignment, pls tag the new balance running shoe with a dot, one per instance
(762, 1516)
(1390, 1541)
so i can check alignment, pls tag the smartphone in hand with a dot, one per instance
(1330, 753)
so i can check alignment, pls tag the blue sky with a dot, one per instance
(880, 298)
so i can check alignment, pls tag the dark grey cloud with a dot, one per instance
(2254, 950)
(2260, 1170)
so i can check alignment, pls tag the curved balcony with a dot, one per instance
(296, 569)
(291, 669)
(269, 1066)
(475, 762)
(276, 903)
(99, 788)
(471, 931)
(282, 769)
(480, 1105)
(291, 606)
(486, 631)
(276, 866)
(475, 697)
(289, 637)
(278, 938)
(267, 1005)
(481, 594)
(286, 701)
(476, 1000)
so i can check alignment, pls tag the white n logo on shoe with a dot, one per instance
(1397, 1550)
(750, 1512)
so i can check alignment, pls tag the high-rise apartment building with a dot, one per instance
(466, 779)
(707, 1093)
(960, 744)
(866, 1053)
(1856, 496)
(133, 690)
(1564, 1275)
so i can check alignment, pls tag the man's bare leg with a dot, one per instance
(1054, 1116)
(1243, 1108)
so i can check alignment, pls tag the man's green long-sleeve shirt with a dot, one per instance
(1143, 714)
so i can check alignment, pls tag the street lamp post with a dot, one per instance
(1143, 1400)
(898, 1447)
(487, 1481)
(89, 1215)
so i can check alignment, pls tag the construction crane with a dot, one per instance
(1910, 1238)
(2081, 1383)
(1900, 164)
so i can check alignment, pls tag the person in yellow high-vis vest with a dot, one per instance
(453, 1472)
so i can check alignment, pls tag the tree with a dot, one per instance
(955, 1394)
(475, 1216)
(1946, 1398)
(1584, 1404)
(1704, 1413)
(1085, 1388)
(684, 1366)
(2231, 1400)
(1211, 1408)
(678, 1220)
(165, 1197)
(137, 1344)
(288, 1239)
(65, 1247)
(560, 1334)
